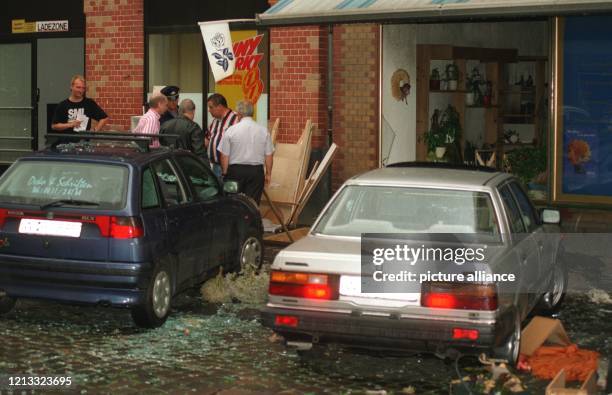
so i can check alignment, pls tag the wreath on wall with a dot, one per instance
(400, 85)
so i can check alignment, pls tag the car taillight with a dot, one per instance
(459, 296)
(126, 228)
(3, 213)
(304, 285)
(110, 226)
(286, 320)
(465, 334)
(120, 227)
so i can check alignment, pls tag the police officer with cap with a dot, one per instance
(172, 93)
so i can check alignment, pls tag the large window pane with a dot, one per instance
(176, 59)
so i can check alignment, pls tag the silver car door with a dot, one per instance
(525, 250)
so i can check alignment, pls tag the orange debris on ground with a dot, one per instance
(547, 361)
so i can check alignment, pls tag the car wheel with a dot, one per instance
(551, 301)
(510, 349)
(6, 304)
(250, 254)
(158, 299)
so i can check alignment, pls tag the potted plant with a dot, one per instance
(450, 124)
(527, 163)
(444, 133)
(435, 138)
(473, 82)
(434, 80)
(452, 76)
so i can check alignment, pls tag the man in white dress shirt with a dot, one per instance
(246, 148)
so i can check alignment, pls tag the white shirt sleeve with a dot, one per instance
(224, 144)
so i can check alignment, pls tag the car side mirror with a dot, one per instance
(551, 216)
(230, 187)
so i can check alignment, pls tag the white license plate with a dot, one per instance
(351, 286)
(50, 228)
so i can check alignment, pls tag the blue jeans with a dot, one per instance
(217, 169)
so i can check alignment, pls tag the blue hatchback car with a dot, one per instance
(109, 224)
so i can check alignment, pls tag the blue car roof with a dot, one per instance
(117, 155)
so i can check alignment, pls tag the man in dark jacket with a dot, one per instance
(190, 134)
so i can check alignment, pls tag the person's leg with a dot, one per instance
(259, 181)
(254, 183)
(234, 173)
(216, 169)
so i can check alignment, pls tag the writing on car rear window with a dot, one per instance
(58, 186)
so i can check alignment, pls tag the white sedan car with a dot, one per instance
(327, 286)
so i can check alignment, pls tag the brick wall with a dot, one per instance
(298, 65)
(114, 57)
(355, 101)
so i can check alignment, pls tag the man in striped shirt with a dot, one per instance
(223, 119)
(149, 123)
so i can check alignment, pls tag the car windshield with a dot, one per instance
(383, 209)
(57, 183)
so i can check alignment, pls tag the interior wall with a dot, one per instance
(399, 52)
(176, 59)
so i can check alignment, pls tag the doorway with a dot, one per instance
(57, 60)
(17, 112)
(34, 77)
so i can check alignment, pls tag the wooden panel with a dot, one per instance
(283, 239)
(542, 138)
(493, 125)
(288, 174)
(459, 98)
(486, 54)
(440, 52)
(422, 100)
(313, 181)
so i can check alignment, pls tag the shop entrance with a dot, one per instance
(35, 76)
(17, 100)
(469, 93)
(57, 59)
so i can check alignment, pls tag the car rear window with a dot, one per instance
(42, 182)
(382, 209)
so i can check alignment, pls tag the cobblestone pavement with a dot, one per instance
(223, 349)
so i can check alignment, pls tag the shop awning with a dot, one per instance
(292, 12)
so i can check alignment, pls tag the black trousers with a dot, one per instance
(250, 179)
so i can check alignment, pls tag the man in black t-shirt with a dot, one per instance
(75, 113)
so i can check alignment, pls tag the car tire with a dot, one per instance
(250, 251)
(509, 350)
(158, 299)
(6, 304)
(551, 301)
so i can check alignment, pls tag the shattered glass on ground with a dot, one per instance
(208, 348)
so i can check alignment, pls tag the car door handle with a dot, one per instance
(173, 221)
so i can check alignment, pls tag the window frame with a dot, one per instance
(180, 182)
(187, 180)
(507, 209)
(534, 214)
(155, 185)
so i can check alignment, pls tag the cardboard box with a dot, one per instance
(557, 386)
(542, 331)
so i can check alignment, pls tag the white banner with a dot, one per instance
(218, 44)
